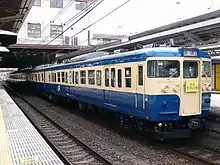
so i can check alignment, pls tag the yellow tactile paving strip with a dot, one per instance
(5, 153)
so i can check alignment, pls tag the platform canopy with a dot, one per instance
(13, 13)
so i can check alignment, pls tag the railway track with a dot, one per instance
(69, 148)
(206, 155)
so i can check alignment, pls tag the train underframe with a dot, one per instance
(159, 130)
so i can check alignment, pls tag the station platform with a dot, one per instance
(20, 142)
(215, 104)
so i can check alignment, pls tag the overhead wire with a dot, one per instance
(93, 7)
(106, 15)
(54, 19)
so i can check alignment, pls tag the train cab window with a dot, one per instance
(66, 77)
(55, 77)
(119, 78)
(206, 69)
(70, 77)
(58, 76)
(128, 77)
(107, 77)
(73, 77)
(190, 69)
(112, 77)
(140, 75)
(99, 77)
(76, 77)
(91, 77)
(83, 77)
(63, 76)
(163, 69)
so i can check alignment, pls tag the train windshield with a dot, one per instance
(163, 69)
(190, 69)
(206, 69)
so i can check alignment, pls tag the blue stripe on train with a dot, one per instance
(154, 107)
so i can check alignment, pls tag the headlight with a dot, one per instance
(166, 88)
(176, 88)
(209, 87)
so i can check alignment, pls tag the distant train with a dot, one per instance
(164, 91)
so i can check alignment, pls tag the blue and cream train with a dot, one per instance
(164, 90)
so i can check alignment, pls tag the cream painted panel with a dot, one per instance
(191, 102)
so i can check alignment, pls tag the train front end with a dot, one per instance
(178, 92)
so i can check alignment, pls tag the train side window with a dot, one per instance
(119, 78)
(112, 77)
(99, 77)
(163, 69)
(58, 76)
(70, 77)
(55, 77)
(83, 77)
(106, 77)
(73, 77)
(140, 75)
(91, 77)
(66, 77)
(63, 76)
(128, 77)
(48, 77)
(77, 77)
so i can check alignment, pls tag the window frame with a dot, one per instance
(113, 79)
(54, 34)
(119, 79)
(99, 81)
(156, 76)
(83, 78)
(128, 77)
(210, 75)
(91, 78)
(32, 32)
(55, 5)
(141, 79)
(38, 3)
(107, 83)
(188, 61)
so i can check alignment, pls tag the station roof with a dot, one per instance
(201, 31)
(13, 13)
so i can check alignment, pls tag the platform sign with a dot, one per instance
(191, 86)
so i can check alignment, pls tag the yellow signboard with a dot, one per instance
(191, 86)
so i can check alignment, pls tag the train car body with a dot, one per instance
(167, 90)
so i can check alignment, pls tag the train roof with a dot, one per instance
(148, 52)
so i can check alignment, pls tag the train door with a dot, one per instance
(139, 96)
(107, 100)
(191, 84)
